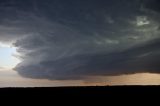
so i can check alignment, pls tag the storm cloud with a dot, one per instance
(73, 39)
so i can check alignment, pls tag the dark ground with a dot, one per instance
(89, 91)
(101, 95)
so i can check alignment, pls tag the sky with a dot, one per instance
(79, 42)
(8, 60)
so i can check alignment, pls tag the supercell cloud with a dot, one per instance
(72, 39)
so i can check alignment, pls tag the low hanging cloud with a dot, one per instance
(75, 39)
(144, 58)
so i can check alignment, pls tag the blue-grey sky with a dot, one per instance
(73, 39)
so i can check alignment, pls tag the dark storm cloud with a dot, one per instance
(154, 5)
(144, 58)
(71, 39)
